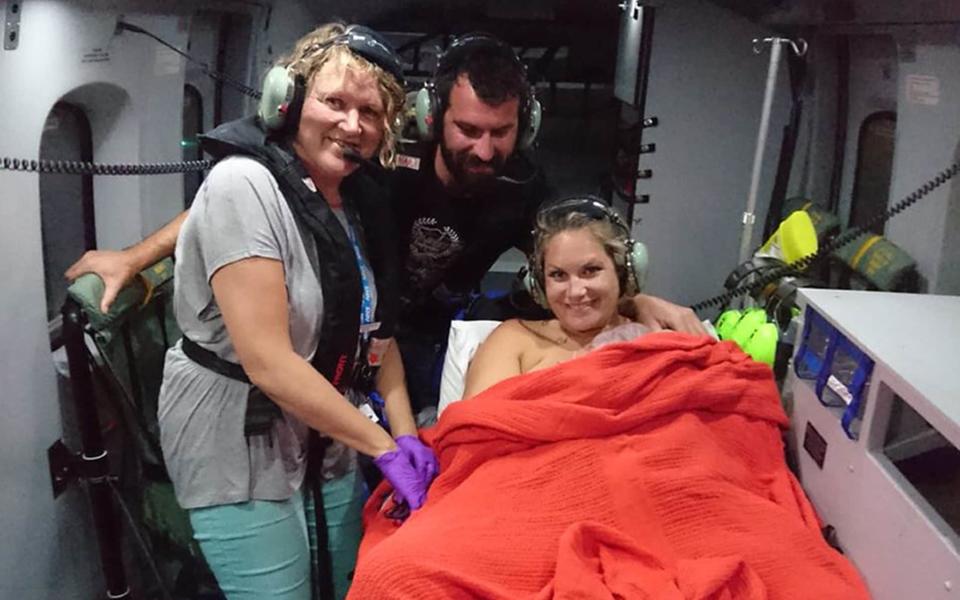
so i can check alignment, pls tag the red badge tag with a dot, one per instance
(378, 347)
(408, 162)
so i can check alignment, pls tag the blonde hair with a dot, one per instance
(317, 48)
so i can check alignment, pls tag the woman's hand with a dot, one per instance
(408, 485)
(252, 297)
(421, 456)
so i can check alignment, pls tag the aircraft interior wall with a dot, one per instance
(707, 88)
(130, 90)
(67, 54)
(949, 280)
(862, 12)
(910, 71)
(870, 89)
(928, 99)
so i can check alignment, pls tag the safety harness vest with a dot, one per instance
(338, 357)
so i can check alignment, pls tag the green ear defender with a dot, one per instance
(748, 323)
(638, 264)
(762, 345)
(726, 322)
(280, 93)
(424, 109)
(750, 331)
(429, 106)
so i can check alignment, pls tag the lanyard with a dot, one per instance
(366, 303)
(369, 352)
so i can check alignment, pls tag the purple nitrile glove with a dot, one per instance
(408, 485)
(422, 457)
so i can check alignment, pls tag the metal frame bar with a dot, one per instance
(96, 465)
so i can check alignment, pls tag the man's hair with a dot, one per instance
(492, 68)
(315, 49)
(549, 224)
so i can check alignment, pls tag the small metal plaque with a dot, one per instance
(814, 444)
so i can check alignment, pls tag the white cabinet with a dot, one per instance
(890, 484)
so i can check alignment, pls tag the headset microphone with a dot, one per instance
(353, 156)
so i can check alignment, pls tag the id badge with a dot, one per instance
(377, 349)
(367, 411)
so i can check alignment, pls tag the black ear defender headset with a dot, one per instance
(634, 273)
(430, 107)
(284, 91)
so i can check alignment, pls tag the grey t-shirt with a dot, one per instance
(238, 213)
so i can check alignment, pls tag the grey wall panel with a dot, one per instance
(131, 91)
(928, 131)
(707, 87)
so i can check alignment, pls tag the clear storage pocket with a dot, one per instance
(843, 382)
(814, 345)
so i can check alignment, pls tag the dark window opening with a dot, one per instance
(66, 201)
(871, 186)
(189, 144)
(929, 462)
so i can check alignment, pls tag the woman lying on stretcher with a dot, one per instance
(652, 469)
(583, 265)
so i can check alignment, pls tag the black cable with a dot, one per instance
(835, 243)
(249, 91)
(756, 270)
(76, 167)
(777, 264)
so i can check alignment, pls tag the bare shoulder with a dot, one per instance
(510, 334)
(497, 358)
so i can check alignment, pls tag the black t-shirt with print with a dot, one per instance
(448, 242)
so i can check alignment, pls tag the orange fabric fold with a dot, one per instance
(648, 469)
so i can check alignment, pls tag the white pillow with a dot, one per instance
(465, 338)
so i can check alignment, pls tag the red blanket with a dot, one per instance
(650, 469)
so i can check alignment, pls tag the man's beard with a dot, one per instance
(460, 163)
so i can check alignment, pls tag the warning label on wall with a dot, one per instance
(923, 89)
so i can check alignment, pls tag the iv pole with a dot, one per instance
(749, 216)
